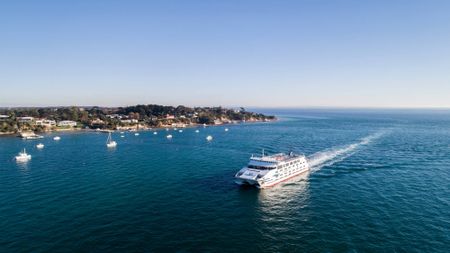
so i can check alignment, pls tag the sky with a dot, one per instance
(302, 53)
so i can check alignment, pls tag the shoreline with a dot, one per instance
(17, 134)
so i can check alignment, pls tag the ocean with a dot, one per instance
(379, 182)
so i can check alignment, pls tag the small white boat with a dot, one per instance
(40, 146)
(30, 136)
(122, 132)
(197, 131)
(204, 125)
(226, 129)
(167, 129)
(136, 134)
(180, 131)
(175, 129)
(209, 138)
(23, 156)
(109, 142)
(56, 138)
(169, 136)
(122, 136)
(155, 133)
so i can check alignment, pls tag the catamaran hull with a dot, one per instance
(270, 184)
(241, 181)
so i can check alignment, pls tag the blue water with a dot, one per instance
(380, 182)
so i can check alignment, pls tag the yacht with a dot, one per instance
(109, 142)
(23, 156)
(40, 146)
(56, 138)
(169, 136)
(30, 136)
(265, 171)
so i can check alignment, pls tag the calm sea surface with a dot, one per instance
(380, 182)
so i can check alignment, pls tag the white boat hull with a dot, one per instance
(111, 144)
(267, 171)
(23, 158)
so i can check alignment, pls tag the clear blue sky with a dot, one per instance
(230, 53)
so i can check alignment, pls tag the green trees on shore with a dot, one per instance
(112, 117)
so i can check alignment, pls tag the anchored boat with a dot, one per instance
(23, 156)
(109, 142)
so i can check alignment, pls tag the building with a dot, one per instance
(179, 125)
(168, 116)
(67, 123)
(97, 123)
(116, 116)
(25, 119)
(128, 121)
(45, 123)
(4, 117)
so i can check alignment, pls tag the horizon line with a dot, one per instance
(249, 106)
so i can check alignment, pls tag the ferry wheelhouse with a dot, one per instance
(265, 171)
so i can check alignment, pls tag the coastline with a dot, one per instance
(134, 129)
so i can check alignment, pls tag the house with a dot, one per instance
(25, 119)
(3, 117)
(180, 125)
(97, 123)
(45, 122)
(168, 116)
(128, 121)
(115, 116)
(67, 123)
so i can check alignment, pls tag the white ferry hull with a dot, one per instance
(241, 181)
(267, 171)
(282, 179)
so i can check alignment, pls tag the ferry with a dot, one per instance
(265, 171)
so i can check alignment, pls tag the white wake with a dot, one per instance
(333, 155)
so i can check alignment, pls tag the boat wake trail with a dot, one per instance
(333, 155)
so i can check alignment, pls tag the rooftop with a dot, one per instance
(275, 158)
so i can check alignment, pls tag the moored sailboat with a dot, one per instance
(109, 142)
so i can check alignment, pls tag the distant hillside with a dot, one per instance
(139, 116)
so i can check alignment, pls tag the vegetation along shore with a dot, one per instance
(42, 119)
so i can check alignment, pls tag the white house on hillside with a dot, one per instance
(45, 122)
(25, 119)
(67, 123)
